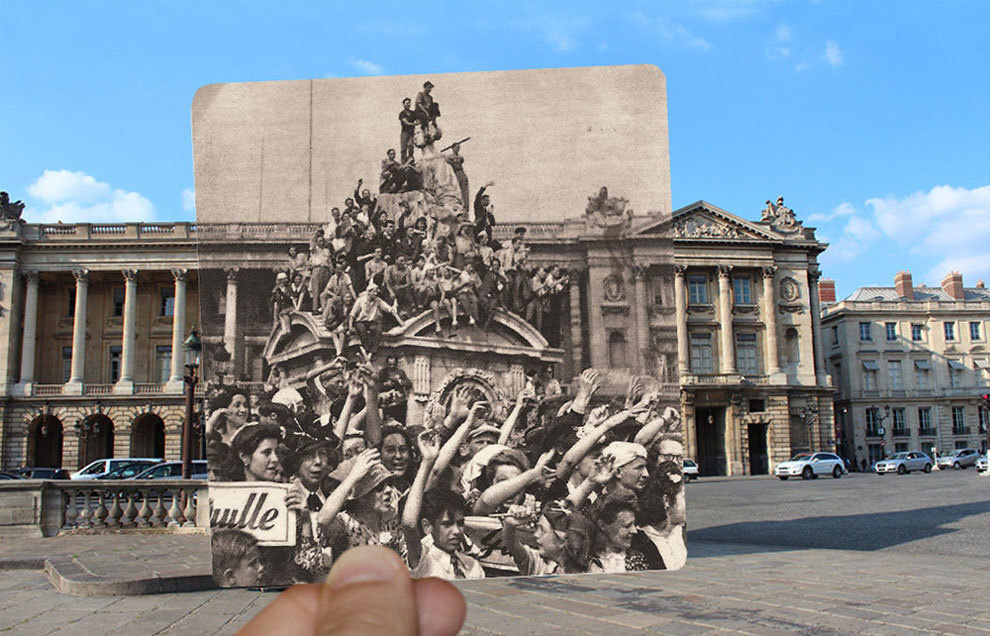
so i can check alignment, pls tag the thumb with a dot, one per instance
(369, 592)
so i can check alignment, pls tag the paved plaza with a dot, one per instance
(863, 554)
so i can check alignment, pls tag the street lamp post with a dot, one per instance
(880, 419)
(809, 413)
(193, 346)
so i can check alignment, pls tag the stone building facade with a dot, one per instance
(910, 365)
(717, 310)
(91, 329)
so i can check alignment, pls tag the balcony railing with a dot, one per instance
(148, 388)
(47, 389)
(926, 432)
(901, 432)
(961, 430)
(97, 389)
(872, 432)
(112, 231)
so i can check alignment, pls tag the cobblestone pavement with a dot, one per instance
(723, 589)
(915, 561)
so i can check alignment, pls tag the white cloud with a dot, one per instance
(802, 67)
(76, 197)
(189, 200)
(63, 185)
(833, 54)
(948, 226)
(671, 32)
(367, 66)
(843, 209)
(728, 10)
(778, 49)
(783, 33)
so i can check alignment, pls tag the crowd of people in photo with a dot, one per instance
(561, 483)
(556, 481)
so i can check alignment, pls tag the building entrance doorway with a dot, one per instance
(710, 428)
(95, 439)
(759, 463)
(148, 436)
(45, 443)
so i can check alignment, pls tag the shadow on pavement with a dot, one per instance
(868, 532)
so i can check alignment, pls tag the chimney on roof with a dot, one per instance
(952, 285)
(826, 291)
(980, 285)
(903, 285)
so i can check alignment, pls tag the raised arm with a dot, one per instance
(604, 471)
(340, 427)
(588, 441)
(510, 422)
(451, 446)
(429, 448)
(335, 502)
(499, 493)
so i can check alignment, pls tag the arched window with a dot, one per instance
(617, 350)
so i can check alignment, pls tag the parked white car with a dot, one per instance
(811, 465)
(690, 470)
(904, 462)
(981, 464)
(962, 458)
(95, 470)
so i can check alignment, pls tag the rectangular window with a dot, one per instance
(872, 422)
(838, 375)
(900, 429)
(924, 378)
(950, 331)
(66, 363)
(698, 289)
(835, 335)
(982, 419)
(961, 444)
(869, 380)
(955, 379)
(701, 353)
(742, 291)
(114, 363)
(757, 406)
(70, 306)
(865, 332)
(925, 421)
(974, 331)
(163, 362)
(894, 375)
(118, 301)
(746, 362)
(959, 421)
(917, 333)
(890, 329)
(167, 306)
(657, 284)
(900, 447)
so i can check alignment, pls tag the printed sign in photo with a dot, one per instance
(256, 508)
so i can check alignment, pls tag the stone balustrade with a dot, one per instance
(109, 231)
(48, 507)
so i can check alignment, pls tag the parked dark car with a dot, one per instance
(130, 471)
(173, 470)
(42, 473)
(5, 476)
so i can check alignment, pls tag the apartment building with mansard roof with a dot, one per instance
(910, 364)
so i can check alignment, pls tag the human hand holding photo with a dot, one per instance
(369, 592)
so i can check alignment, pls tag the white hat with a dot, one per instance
(622, 453)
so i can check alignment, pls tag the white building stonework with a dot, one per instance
(910, 364)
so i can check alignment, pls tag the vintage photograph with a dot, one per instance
(438, 315)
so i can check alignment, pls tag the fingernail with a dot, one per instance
(363, 565)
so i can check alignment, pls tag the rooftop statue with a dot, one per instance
(10, 210)
(780, 217)
(606, 211)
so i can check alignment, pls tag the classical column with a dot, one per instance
(574, 300)
(642, 318)
(30, 336)
(770, 319)
(680, 304)
(230, 321)
(725, 319)
(175, 383)
(74, 385)
(125, 383)
(816, 327)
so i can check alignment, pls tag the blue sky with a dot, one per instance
(872, 119)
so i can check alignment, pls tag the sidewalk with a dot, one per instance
(724, 588)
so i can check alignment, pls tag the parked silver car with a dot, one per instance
(904, 462)
(811, 465)
(962, 458)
